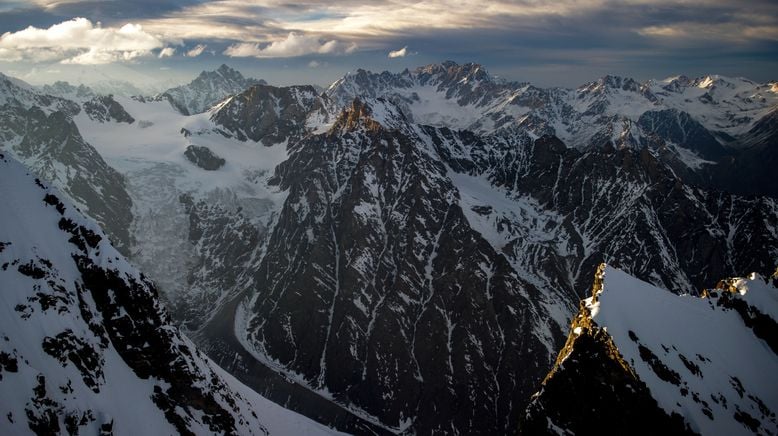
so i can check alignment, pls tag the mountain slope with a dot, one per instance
(707, 365)
(85, 346)
(39, 130)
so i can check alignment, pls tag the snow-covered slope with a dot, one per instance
(85, 346)
(712, 361)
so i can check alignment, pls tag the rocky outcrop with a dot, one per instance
(591, 387)
(203, 157)
(104, 108)
(271, 115)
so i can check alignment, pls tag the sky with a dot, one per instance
(546, 42)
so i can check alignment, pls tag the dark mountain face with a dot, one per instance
(375, 288)
(680, 128)
(105, 108)
(270, 115)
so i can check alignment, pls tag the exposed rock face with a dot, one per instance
(203, 157)
(623, 373)
(403, 305)
(85, 345)
(207, 89)
(271, 115)
(104, 108)
(680, 128)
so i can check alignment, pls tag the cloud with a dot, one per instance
(398, 53)
(689, 32)
(167, 52)
(295, 44)
(314, 64)
(78, 41)
(196, 51)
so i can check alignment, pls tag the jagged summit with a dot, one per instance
(452, 71)
(370, 114)
(66, 90)
(609, 82)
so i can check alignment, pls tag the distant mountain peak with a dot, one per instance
(226, 68)
(609, 82)
(458, 72)
(208, 89)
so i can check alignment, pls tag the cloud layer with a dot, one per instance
(196, 51)
(557, 40)
(293, 45)
(79, 41)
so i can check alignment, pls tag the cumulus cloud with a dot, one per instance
(78, 41)
(167, 52)
(401, 53)
(196, 51)
(314, 64)
(295, 44)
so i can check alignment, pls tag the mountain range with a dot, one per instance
(403, 252)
